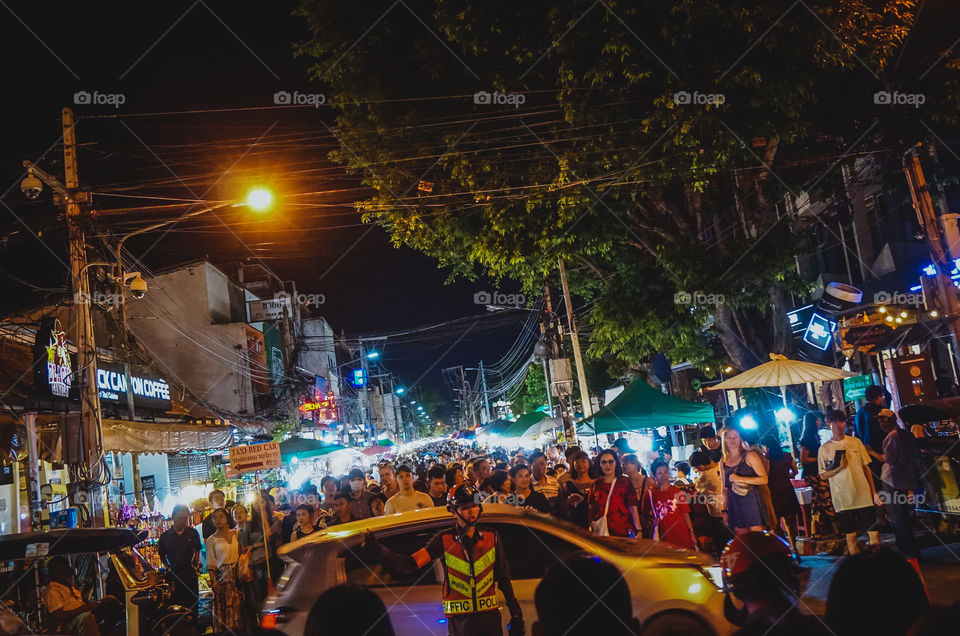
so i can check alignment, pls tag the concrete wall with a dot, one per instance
(174, 322)
(317, 352)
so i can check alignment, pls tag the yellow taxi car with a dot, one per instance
(673, 590)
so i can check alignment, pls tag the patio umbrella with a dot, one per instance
(544, 426)
(782, 372)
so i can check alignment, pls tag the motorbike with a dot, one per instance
(143, 595)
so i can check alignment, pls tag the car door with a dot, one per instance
(414, 602)
(529, 551)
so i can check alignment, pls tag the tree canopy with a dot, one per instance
(658, 148)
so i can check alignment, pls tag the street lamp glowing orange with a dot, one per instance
(260, 199)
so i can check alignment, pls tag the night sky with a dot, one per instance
(209, 55)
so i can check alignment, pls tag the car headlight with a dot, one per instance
(715, 574)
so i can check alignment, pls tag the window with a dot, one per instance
(530, 551)
(360, 570)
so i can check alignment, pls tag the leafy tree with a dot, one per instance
(533, 393)
(659, 147)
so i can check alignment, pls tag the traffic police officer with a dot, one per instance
(474, 564)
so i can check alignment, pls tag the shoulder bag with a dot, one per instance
(599, 527)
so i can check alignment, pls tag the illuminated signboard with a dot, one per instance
(799, 318)
(359, 378)
(819, 332)
(149, 390)
(52, 366)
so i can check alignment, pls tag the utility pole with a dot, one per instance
(927, 216)
(84, 336)
(486, 399)
(577, 357)
(363, 389)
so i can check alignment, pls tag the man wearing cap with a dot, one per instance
(898, 480)
(710, 444)
(474, 564)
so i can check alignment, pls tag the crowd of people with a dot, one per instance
(731, 485)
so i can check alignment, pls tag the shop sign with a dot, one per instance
(54, 369)
(867, 335)
(245, 459)
(269, 309)
(855, 388)
(149, 390)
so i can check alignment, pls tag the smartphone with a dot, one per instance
(838, 458)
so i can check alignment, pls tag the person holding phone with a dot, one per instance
(844, 462)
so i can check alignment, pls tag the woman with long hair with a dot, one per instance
(821, 506)
(644, 485)
(613, 499)
(786, 507)
(743, 473)
(572, 503)
(223, 552)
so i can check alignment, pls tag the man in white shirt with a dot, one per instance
(66, 607)
(408, 498)
(844, 462)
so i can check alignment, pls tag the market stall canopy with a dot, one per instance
(522, 423)
(781, 371)
(641, 406)
(68, 541)
(153, 437)
(303, 448)
(382, 446)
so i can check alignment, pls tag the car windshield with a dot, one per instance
(135, 563)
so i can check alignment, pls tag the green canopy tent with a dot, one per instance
(302, 448)
(641, 406)
(522, 423)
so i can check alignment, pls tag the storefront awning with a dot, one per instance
(151, 437)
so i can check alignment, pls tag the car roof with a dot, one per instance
(493, 513)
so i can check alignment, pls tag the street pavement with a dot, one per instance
(939, 564)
